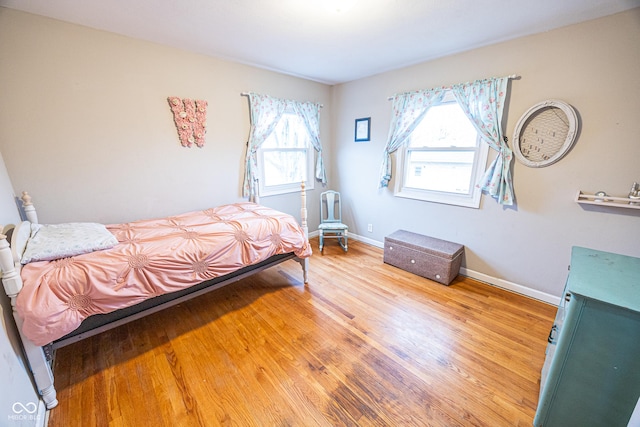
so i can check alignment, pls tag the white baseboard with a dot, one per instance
(366, 240)
(493, 281)
(43, 415)
(510, 286)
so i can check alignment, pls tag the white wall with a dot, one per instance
(592, 66)
(18, 398)
(86, 127)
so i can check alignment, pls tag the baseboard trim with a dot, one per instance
(510, 286)
(485, 278)
(367, 240)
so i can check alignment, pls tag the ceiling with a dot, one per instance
(329, 41)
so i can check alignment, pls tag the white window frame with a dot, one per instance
(293, 187)
(471, 200)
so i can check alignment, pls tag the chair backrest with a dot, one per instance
(330, 207)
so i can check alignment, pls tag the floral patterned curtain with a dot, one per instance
(483, 102)
(310, 114)
(407, 111)
(265, 113)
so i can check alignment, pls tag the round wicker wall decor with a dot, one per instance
(545, 133)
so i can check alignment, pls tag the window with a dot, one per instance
(285, 158)
(444, 158)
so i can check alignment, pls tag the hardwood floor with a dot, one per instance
(363, 344)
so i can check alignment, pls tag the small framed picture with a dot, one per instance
(363, 129)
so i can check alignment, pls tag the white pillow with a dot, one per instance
(55, 241)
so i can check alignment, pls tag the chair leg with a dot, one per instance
(321, 238)
(342, 240)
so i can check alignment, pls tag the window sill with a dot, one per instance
(443, 198)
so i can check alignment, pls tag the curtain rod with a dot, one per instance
(247, 94)
(512, 76)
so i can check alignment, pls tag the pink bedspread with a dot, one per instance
(153, 257)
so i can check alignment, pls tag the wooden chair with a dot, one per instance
(331, 225)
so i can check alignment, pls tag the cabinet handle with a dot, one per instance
(552, 332)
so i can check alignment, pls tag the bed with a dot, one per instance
(71, 281)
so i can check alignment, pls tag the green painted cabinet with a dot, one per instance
(591, 374)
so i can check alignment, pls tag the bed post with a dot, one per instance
(12, 283)
(29, 209)
(303, 208)
(303, 222)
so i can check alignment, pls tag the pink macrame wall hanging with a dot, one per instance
(190, 117)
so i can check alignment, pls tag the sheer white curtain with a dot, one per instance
(265, 113)
(483, 102)
(407, 111)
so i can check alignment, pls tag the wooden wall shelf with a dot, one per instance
(618, 202)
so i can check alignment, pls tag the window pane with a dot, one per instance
(290, 132)
(444, 125)
(284, 167)
(448, 171)
(443, 159)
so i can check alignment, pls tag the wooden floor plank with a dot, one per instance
(362, 344)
